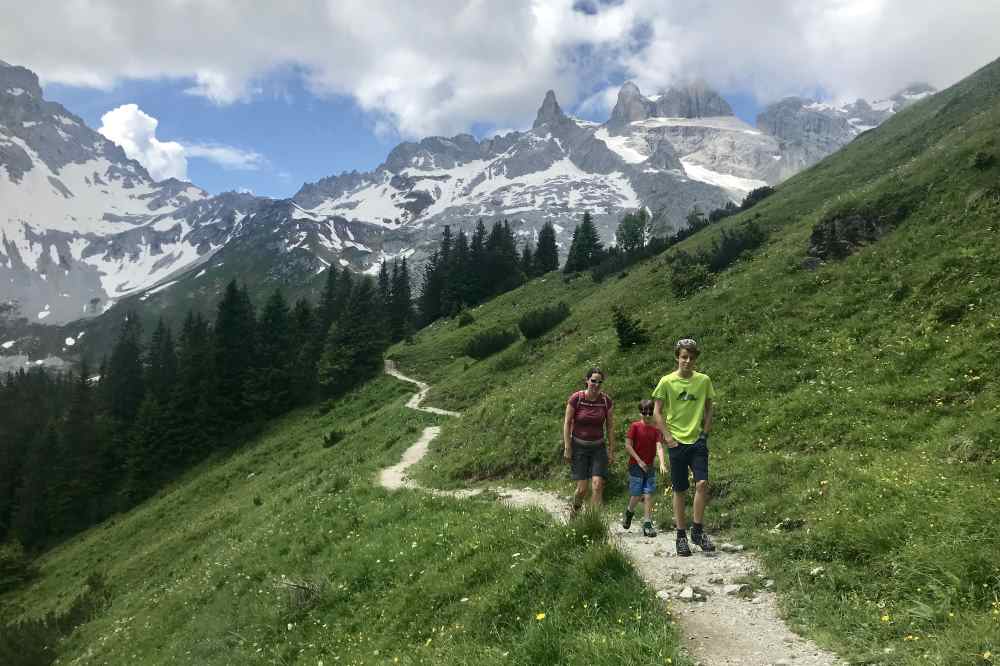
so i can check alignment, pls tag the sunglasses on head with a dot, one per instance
(646, 412)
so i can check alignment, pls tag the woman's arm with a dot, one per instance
(567, 429)
(611, 436)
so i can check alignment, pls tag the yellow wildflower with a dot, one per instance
(540, 616)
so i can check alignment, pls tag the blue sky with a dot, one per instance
(289, 93)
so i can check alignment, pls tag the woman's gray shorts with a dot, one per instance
(589, 459)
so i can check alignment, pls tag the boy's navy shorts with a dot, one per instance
(641, 484)
(684, 456)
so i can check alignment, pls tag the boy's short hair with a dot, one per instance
(686, 343)
(645, 405)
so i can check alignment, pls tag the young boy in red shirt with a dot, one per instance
(643, 440)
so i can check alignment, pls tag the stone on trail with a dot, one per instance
(663, 594)
(678, 577)
(731, 547)
(737, 589)
(716, 579)
(687, 594)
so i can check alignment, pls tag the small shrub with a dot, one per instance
(15, 565)
(464, 319)
(489, 342)
(332, 438)
(510, 361)
(536, 322)
(983, 160)
(257, 501)
(687, 275)
(754, 197)
(324, 408)
(630, 331)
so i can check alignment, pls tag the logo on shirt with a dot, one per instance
(686, 396)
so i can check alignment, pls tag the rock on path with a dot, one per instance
(723, 629)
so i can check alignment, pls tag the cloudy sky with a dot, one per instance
(239, 94)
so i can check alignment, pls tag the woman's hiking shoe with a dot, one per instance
(682, 546)
(701, 540)
(647, 529)
(627, 519)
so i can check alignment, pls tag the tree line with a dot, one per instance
(79, 446)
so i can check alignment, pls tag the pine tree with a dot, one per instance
(146, 451)
(268, 389)
(77, 471)
(546, 252)
(402, 318)
(431, 290)
(455, 282)
(633, 231)
(234, 354)
(384, 294)
(30, 521)
(189, 428)
(478, 290)
(124, 378)
(353, 351)
(527, 260)
(586, 249)
(302, 338)
(161, 370)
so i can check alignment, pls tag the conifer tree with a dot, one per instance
(124, 378)
(161, 370)
(431, 290)
(77, 470)
(302, 338)
(477, 291)
(234, 353)
(188, 430)
(30, 521)
(353, 351)
(146, 450)
(402, 318)
(527, 260)
(269, 390)
(586, 249)
(384, 294)
(546, 252)
(455, 282)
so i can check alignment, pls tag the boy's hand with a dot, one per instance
(643, 466)
(671, 442)
(663, 469)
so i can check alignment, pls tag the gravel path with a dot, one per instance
(721, 623)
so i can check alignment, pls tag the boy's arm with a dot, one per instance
(661, 424)
(706, 423)
(661, 457)
(631, 452)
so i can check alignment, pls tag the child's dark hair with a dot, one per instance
(645, 405)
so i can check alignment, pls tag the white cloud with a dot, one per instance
(438, 67)
(135, 131)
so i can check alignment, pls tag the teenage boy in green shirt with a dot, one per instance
(683, 413)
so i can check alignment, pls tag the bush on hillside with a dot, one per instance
(630, 331)
(33, 642)
(464, 319)
(690, 272)
(15, 565)
(983, 160)
(489, 342)
(535, 323)
(754, 197)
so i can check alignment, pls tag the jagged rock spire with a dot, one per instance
(631, 106)
(549, 111)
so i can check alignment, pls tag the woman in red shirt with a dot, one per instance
(589, 439)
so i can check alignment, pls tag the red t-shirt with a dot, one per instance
(589, 415)
(644, 438)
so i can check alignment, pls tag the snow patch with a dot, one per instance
(734, 185)
(8, 344)
(730, 123)
(629, 148)
(70, 342)
(17, 92)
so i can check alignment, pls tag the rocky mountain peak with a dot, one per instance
(18, 81)
(630, 107)
(549, 111)
(694, 100)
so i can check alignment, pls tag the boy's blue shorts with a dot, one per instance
(638, 484)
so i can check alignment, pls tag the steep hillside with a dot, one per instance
(857, 395)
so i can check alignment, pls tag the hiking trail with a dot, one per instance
(741, 627)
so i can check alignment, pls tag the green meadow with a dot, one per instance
(855, 451)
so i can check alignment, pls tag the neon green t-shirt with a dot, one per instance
(684, 403)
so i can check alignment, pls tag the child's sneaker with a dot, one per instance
(647, 529)
(701, 540)
(627, 519)
(682, 546)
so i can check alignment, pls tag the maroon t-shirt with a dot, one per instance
(644, 438)
(589, 415)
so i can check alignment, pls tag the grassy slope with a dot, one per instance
(860, 398)
(202, 573)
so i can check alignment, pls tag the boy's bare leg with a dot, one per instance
(679, 500)
(632, 501)
(647, 505)
(700, 500)
(597, 490)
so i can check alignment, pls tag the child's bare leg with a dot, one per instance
(679, 519)
(647, 505)
(700, 500)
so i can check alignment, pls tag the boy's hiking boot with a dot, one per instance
(575, 511)
(682, 546)
(647, 529)
(701, 540)
(627, 519)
